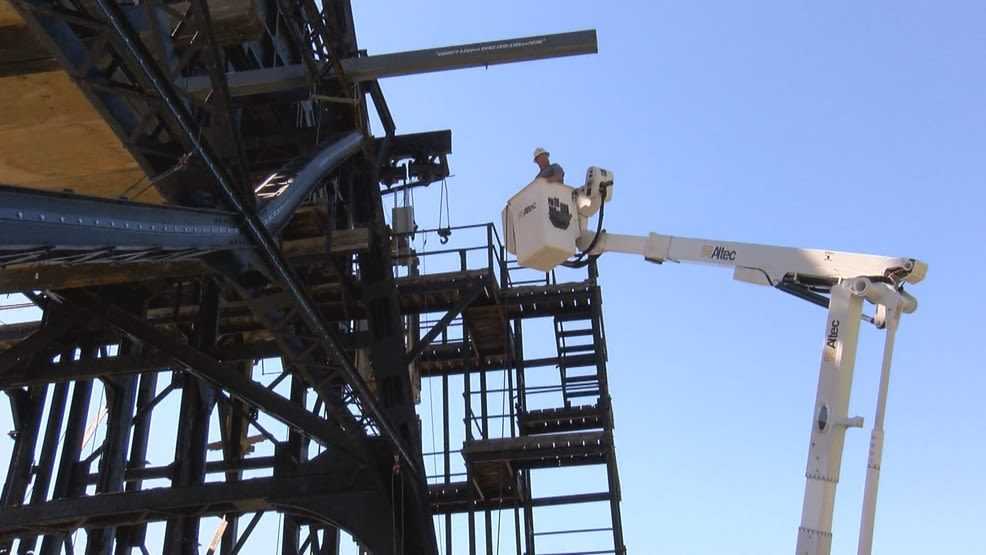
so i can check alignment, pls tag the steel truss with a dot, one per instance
(525, 420)
(272, 244)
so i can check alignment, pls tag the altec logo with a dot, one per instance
(718, 253)
(831, 340)
(528, 209)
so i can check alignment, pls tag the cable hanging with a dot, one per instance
(444, 232)
(584, 258)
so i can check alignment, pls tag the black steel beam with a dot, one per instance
(317, 496)
(369, 68)
(386, 327)
(41, 342)
(198, 399)
(46, 463)
(129, 536)
(383, 112)
(17, 375)
(108, 367)
(419, 145)
(67, 481)
(120, 398)
(213, 467)
(227, 135)
(27, 405)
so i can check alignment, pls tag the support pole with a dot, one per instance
(829, 419)
(876, 437)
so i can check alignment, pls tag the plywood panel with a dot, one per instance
(44, 98)
(52, 138)
(50, 135)
(8, 16)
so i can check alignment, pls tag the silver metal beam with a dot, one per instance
(479, 54)
(278, 211)
(29, 218)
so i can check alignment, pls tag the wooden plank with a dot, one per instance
(8, 16)
(51, 138)
(43, 276)
(48, 98)
(535, 445)
(343, 241)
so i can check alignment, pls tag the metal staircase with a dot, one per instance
(577, 347)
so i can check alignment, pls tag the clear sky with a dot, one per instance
(854, 126)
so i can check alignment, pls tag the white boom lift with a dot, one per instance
(545, 222)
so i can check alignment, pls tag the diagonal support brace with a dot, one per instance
(211, 370)
(467, 298)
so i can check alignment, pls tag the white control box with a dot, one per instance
(402, 218)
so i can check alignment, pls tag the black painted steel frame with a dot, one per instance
(448, 496)
(345, 453)
(102, 49)
(526, 438)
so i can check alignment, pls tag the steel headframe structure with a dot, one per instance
(250, 119)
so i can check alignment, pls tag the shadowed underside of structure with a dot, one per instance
(187, 188)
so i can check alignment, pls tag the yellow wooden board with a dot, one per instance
(8, 16)
(52, 138)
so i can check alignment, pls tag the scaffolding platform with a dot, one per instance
(487, 457)
(562, 419)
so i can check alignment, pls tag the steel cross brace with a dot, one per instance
(268, 249)
(211, 370)
(475, 287)
(41, 342)
(228, 131)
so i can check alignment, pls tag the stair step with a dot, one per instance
(577, 349)
(585, 316)
(588, 393)
(539, 451)
(565, 419)
(581, 379)
(575, 333)
(576, 361)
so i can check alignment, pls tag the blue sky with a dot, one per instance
(848, 126)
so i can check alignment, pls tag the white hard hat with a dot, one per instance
(539, 151)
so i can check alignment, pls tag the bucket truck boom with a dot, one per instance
(545, 224)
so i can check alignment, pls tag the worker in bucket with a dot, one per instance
(549, 171)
